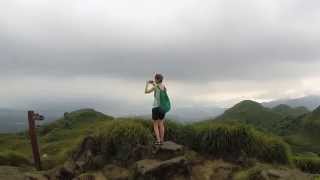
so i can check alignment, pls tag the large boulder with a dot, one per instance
(86, 155)
(91, 176)
(135, 153)
(67, 171)
(263, 172)
(155, 169)
(284, 174)
(114, 172)
(167, 150)
(213, 170)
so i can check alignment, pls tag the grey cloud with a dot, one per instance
(205, 41)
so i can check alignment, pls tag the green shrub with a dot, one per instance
(148, 124)
(13, 159)
(234, 140)
(227, 140)
(178, 132)
(272, 149)
(174, 131)
(308, 164)
(117, 138)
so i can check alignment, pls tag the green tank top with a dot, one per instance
(156, 102)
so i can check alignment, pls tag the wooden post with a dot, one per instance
(33, 140)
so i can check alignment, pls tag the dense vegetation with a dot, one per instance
(253, 113)
(290, 111)
(56, 139)
(308, 164)
(214, 139)
(304, 136)
(297, 126)
(115, 137)
(280, 120)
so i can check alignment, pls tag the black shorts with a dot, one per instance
(158, 114)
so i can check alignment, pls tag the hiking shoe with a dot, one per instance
(157, 143)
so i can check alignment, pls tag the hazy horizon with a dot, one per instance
(99, 54)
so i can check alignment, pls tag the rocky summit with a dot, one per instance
(169, 161)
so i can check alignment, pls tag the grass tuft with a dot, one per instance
(308, 164)
(13, 158)
(117, 138)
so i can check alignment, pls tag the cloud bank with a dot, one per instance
(211, 52)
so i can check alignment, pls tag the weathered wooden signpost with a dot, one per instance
(32, 118)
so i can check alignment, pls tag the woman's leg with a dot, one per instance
(156, 130)
(161, 130)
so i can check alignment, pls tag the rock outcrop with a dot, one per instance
(169, 161)
(115, 172)
(217, 170)
(284, 174)
(167, 151)
(159, 162)
(157, 170)
(87, 158)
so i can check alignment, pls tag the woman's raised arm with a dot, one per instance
(146, 90)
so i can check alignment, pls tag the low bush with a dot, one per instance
(12, 158)
(271, 149)
(117, 138)
(226, 140)
(234, 140)
(182, 134)
(308, 164)
(174, 131)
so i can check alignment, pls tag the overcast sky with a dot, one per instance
(99, 53)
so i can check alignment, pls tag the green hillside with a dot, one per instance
(281, 120)
(312, 122)
(298, 126)
(289, 111)
(115, 138)
(253, 113)
(56, 139)
(306, 137)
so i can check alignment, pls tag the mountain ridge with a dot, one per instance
(281, 119)
(311, 102)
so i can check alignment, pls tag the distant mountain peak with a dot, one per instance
(253, 113)
(282, 106)
(316, 112)
(290, 111)
(84, 110)
(310, 102)
(248, 104)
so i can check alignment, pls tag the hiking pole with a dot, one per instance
(32, 117)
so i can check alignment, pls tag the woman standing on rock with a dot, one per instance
(161, 106)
